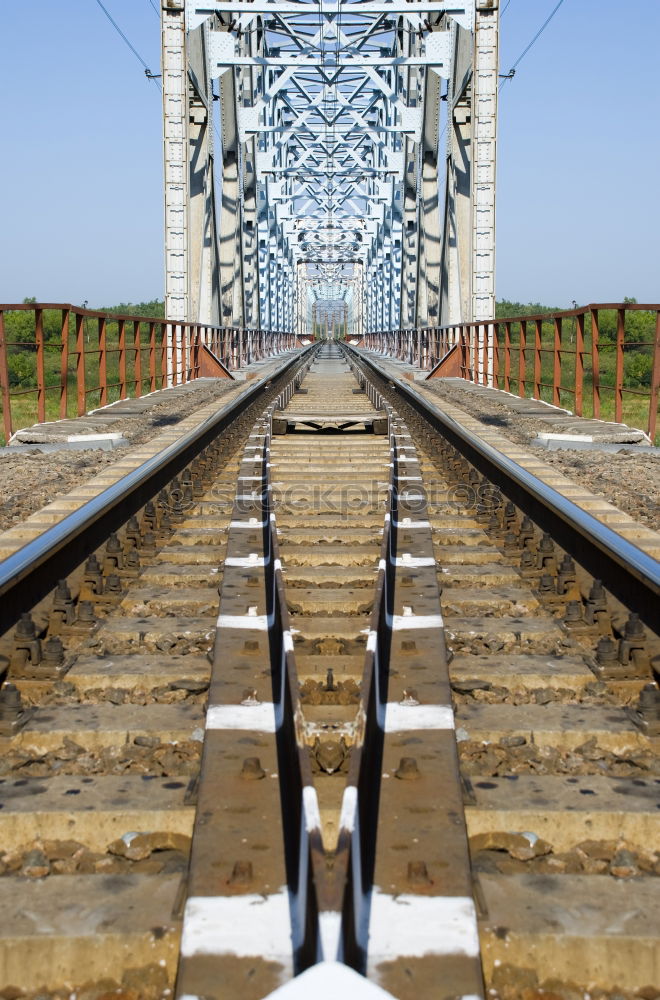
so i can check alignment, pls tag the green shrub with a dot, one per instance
(637, 370)
(22, 369)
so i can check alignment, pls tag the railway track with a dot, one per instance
(422, 741)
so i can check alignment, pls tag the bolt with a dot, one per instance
(634, 628)
(510, 544)
(62, 592)
(566, 575)
(649, 702)
(86, 613)
(114, 555)
(25, 628)
(53, 650)
(573, 613)
(133, 535)
(330, 681)
(546, 554)
(11, 703)
(113, 544)
(606, 650)
(546, 584)
(418, 873)
(150, 517)
(407, 769)
(149, 542)
(112, 584)
(509, 515)
(132, 559)
(252, 769)
(527, 560)
(596, 608)
(632, 645)
(93, 577)
(241, 873)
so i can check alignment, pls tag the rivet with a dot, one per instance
(418, 873)
(407, 769)
(252, 769)
(241, 873)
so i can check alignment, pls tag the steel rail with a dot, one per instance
(627, 571)
(328, 894)
(30, 573)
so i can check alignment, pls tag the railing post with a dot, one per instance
(195, 342)
(655, 381)
(137, 359)
(465, 353)
(64, 363)
(103, 361)
(152, 357)
(507, 356)
(620, 344)
(80, 364)
(595, 363)
(522, 359)
(122, 358)
(496, 355)
(4, 380)
(164, 334)
(579, 363)
(41, 374)
(556, 363)
(484, 331)
(538, 343)
(175, 351)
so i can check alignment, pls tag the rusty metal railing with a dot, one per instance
(601, 360)
(58, 360)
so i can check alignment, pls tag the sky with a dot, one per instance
(578, 205)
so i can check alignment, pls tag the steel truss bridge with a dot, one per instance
(311, 181)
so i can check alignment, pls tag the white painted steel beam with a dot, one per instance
(330, 154)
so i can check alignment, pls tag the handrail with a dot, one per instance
(561, 356)
(100, 356)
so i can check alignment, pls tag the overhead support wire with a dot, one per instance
(147, 72)
(512, 72)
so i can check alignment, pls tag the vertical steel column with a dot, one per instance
(484, 140)
(175, 154)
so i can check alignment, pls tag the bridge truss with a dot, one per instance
(325, 181)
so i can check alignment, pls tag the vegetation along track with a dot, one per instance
(428, 737)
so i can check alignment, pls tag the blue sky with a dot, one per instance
(579, 154)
